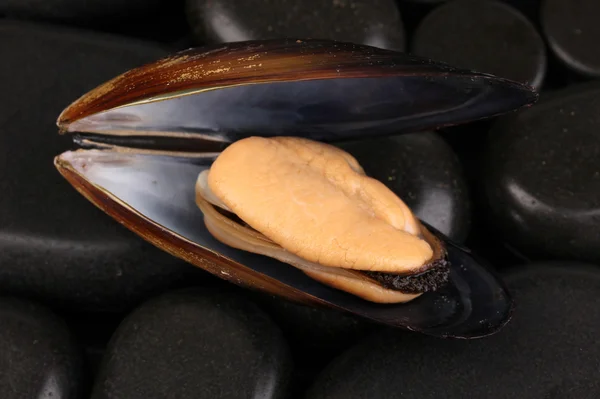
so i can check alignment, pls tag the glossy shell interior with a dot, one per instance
(154, 129)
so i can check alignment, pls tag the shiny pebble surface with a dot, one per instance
(422, 169)
(545, 352)
(39, 357)
(374, 22)
(542, 176)
(74, 10)
(195, 343)
(55, 245)
(108, 322)
(573, 33)
(488, 36)
(161, 20)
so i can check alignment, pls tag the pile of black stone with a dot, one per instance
(88, 309)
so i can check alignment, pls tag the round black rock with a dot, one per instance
(422, 169)
(195, 343)
(54, 244)
(39, 357)
(73, 10)
(486, 36)
(573, 32)
(159, 20)
(95, 11)
(542, 176)
(425, 1)
(375, 22)
(546, 351)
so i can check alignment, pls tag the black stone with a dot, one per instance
(546, 351)
(161, 20)
(425, 173)
(372, 22)
(196, 343)
(487, 36)
(531, 8)
(572, 30)
(77, 10)
(542, 176)
(54, 244)
(425, 1)
(39, 357)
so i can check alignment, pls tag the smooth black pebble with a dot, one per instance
(548, 350)
(375, 22)
(39, 357)
(74, 9)
(573, 32)
(486, 36)
(422, 169)
(54, 244)
(542, 176)
(153, 19)
(425, 1)
(195, 343)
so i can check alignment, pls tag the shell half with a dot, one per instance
(155, 198)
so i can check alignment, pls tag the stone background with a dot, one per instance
(87, 309)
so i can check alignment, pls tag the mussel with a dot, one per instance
(225, 157)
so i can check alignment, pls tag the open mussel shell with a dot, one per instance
(154, 129)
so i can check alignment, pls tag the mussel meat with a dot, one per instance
(225, 157)
(311, 205)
